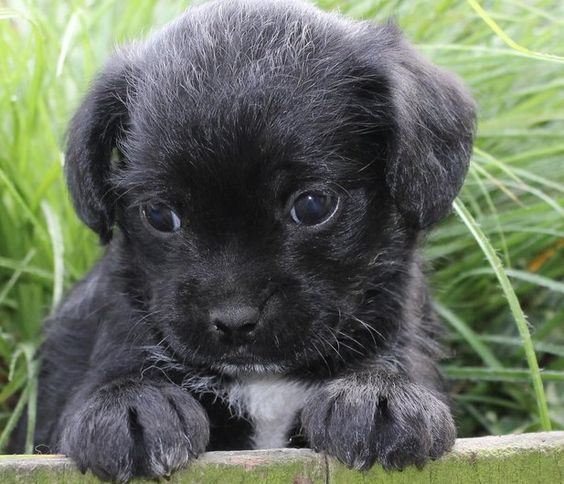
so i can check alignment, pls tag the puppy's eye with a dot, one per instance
(313, 208)
(161, 218)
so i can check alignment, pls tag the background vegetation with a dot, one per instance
(506, 50)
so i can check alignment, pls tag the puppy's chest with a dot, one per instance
(271, 404)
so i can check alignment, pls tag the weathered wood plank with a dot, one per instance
(299, 466)
(513, 459)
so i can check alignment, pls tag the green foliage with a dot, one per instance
(511, 53)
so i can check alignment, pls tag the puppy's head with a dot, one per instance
(273, 166)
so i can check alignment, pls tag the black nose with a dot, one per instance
(234, 320)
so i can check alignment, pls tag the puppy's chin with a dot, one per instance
(242, 360)
(235, 361)
(241, 368)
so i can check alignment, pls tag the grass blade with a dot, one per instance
(469, 335)
(15, 276)
(508, 40)
(498, 374)
(515, 307)
(13, 420)
(55, 233)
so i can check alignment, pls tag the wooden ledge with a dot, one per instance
(512, 459)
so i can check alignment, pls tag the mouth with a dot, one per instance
(238, 367)
(240, 360)
(239, 355)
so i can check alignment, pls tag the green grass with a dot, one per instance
(497, 263)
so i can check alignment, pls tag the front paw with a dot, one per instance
(135, 429)
(362, 423)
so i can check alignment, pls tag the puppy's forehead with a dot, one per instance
(224, 84)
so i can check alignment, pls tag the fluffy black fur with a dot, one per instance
(224, 115)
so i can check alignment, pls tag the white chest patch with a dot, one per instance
(271, 403)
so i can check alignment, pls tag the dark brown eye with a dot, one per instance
(161, 218)
(313, 208)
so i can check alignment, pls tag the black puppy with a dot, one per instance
(262, 174)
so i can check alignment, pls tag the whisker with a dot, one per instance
(372, 331)
(321, 355)
(355, 341)
(328, 343)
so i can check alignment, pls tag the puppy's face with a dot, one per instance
(254, 228)
(274, 170)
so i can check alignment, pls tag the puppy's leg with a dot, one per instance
(133, 426)
(378, 415)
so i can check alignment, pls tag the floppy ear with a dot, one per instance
(433, 124)
(92, 135)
